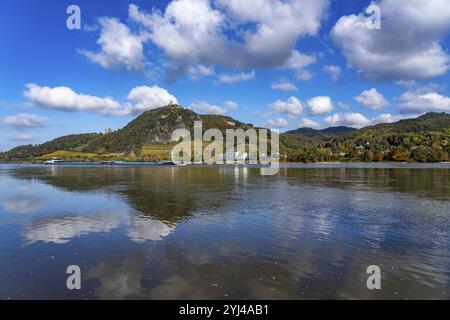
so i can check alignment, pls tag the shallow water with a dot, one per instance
(225, 232)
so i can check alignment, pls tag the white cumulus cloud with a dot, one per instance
(388, 118)
(357, 120)
(232, 33)
(298, 60)
(319, 105)
(284, 86)
(304, 75)
(207, 108)
(349, 119)
(277, 123)
(308, 123)
(292, 106)
(408, 45)
(118, 47)
(24, 137)
(145, 98)
(65, 99)
(200, 71)
(372, 99)
(26, 120)
(333, 71)
(419, 102)
(236, 77)
(231, 105)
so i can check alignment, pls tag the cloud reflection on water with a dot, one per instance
(23, 204)
(64, 228)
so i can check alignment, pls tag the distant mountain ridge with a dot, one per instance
(320, 134)
(431, 121)
(422, 139)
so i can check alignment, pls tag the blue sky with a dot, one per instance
(283, 64)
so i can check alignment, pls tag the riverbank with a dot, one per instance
(371, 165)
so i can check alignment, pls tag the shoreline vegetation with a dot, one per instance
(69, 163)
(148, 139)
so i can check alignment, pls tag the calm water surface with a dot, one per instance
(225, 232)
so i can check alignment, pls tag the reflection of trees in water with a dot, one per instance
(119, 277)
(161, 196)
(307, 230)
(170, 194)
(73, 179)
(429, 182)
(167, 194)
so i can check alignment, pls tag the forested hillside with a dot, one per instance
(147, 138)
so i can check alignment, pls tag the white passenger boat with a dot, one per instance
(54, 161)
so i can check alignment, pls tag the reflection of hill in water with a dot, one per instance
(305, 233)
(168, 194)
(434, 183)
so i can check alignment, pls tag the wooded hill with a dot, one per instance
(423, 139)
(147, 138)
